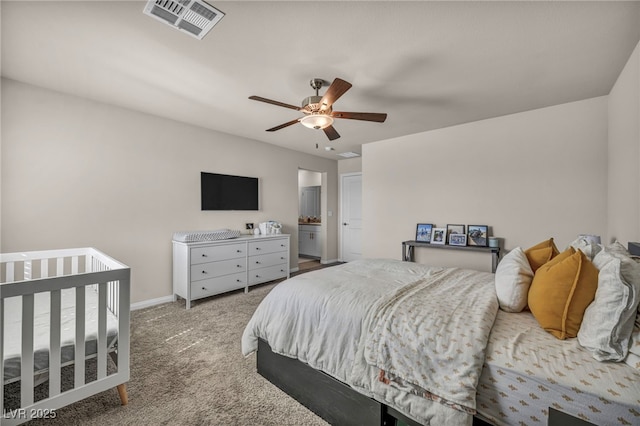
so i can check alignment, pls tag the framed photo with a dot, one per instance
(423, 232)
(477, 235)
(454, 229)
(438, 235)
(458, 239)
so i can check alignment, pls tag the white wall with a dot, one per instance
(624, 154)
(309, 178)
(350, 165)
(79, 173)
(529, 176)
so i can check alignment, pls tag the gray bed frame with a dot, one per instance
(334, 401)
(338, 403)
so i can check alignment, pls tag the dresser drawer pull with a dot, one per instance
(238, 251)
(238, 281)
(257, 248)
(204, 255)
(257, 262)
(204, 288)
(204, 272)
(239, 266)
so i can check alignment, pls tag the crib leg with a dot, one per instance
(122, 391)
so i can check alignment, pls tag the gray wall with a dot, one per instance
(624, 154)
(78, 173)
(530, 176)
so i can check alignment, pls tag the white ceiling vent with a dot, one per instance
(349, 154)
(194, 17)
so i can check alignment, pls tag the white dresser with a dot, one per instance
(206, 268)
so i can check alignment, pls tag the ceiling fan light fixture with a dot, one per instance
(316, 121)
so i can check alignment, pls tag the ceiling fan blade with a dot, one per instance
(365, 116)
(272, 102)
(331, 133)
(337, 89)
(282, 126)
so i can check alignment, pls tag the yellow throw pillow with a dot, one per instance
(561, 291)
(541, 253)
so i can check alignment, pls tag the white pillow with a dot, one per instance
(617, 248)
(608, 321)
(513, 279)
(590, 249)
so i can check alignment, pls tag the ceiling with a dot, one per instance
(427, 64)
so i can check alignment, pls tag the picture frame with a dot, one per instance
(423, 232)
(458, 239)
(478, 235)
(454, 229)
(438, 235)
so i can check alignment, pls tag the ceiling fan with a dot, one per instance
(318, 110)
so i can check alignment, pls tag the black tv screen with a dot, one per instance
(226, 192)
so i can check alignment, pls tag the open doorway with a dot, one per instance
(310, 241)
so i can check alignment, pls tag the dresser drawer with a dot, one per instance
(218, 285)
(269, 259)
(263, 275)
(217, 252)
(204, 271)
(268, 246)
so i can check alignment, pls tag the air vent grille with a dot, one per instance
(203, 11)
(193, 17)
(349, 154)
(171, 6)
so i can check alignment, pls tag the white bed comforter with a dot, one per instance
(425, 328)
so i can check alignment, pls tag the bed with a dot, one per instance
(352, 342)
(61, 308)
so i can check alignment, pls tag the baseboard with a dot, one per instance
(326, 262)
(151, 302)
(294, 270)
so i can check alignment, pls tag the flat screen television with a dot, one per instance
(227, 192)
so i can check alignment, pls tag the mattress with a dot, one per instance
(527, 370)
(13, 330)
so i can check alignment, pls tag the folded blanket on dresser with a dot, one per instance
(408, 335)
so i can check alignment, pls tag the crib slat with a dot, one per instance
(54, 344)
(10, 274)
(74, 265)
(27, 270)
(60, 267)
(80, 344)
(44, 268)
(26, 365)
(102, 330)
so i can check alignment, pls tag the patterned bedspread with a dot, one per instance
(430, 337)
(351, 321)
(527, 370)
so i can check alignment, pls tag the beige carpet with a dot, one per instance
(187, 369)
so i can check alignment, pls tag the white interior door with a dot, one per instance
(351, 216)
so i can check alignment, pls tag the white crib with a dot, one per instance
(57, 308)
